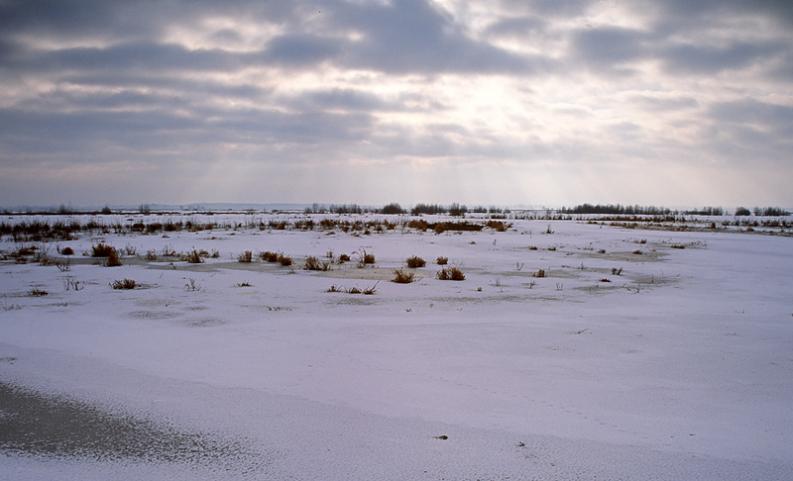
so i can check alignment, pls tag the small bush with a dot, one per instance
(113, 259)
(194, 257)
(285, 261)
(268, 256)
(314, 264)
(416, 262)
(344, 258)
(67, 251)
(450, 274)
(246, 257)
(442, 261)
(497, 225)
(124, 284)
(102, 250)
(365, 258)
(151, 255)
(402, 277)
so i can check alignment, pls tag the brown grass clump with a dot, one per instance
(246, 257)
(451, 274)
(539, 273)
(285, 261)
(365, 258)
(442, 261)
(415, 262)
(124, 284)
(269, 256)
(418, 224)
(67, 251)
(102, 250)
(194, 257)
(314, 264)
(344, 258)
(402, 277)
(113, 259)
(497, 225)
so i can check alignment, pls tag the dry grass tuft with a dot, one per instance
(194, 257)
(113, 259)
(402, 277)
(451, 274)
(124, 284)
(314, 264)
(539, 273)
(268, 256)
(442, 261)
(102, 250)
(415, 262)
(285, 261)
(37, 293)
(246, 257)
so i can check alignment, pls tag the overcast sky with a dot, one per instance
(495, 102)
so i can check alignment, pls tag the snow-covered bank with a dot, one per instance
(678, 368)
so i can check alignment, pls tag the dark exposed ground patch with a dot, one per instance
(36, 424)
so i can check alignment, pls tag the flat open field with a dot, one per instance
(569, 351)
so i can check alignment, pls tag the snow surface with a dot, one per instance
(679, 368)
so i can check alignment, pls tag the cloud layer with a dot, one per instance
(544, 102)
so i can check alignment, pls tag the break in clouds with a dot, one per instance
(511, 102)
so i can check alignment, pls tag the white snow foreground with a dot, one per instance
(680, 367)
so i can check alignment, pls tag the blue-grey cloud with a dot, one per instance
(268, 84)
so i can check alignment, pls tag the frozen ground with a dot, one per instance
(680, 368)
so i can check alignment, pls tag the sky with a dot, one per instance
(499, 102)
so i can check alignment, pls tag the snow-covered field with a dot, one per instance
(680, 367)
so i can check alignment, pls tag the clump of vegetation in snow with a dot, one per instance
(124, 284)
(314, 264)
(415, 262)
(451, 274)
(403, 277)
